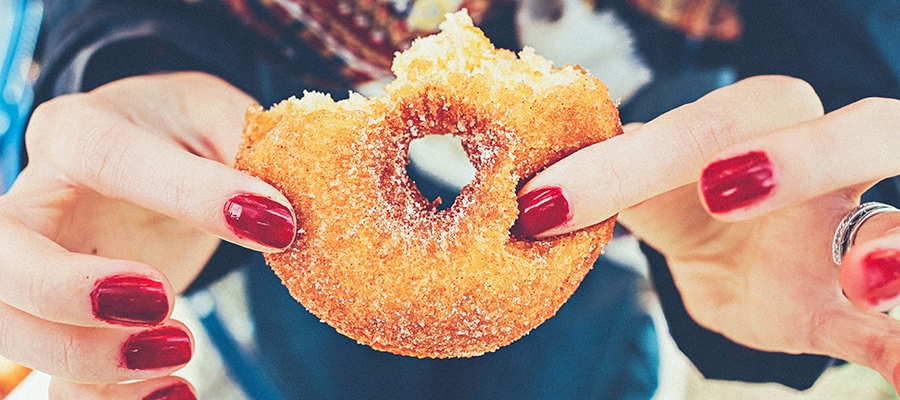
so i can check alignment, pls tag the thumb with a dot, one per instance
(870, 271)
(866, 338)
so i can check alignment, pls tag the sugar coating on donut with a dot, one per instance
(375, 259)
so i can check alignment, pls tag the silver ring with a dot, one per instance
(846, 231)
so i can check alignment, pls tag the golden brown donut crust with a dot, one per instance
(373, 258)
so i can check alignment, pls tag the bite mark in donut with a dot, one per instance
(373, 258)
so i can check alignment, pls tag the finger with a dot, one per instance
(93, 355)
(120, 160)
(870, 271)
(210, 112)
(166, 388)
(43, 279)
(846, 148)
(865, 338)
(666, 153)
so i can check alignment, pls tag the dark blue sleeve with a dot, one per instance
(85, 44)
(847, 50)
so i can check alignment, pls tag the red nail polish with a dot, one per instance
(157, 348)
(130, 300)
(540, 210)
(178, 391)
(737, 182)
(260, 219)
(881, 270)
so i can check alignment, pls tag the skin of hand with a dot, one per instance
(126, 195)
(751, 252)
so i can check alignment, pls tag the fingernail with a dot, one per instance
(881, 269)
(130, 300)
(178, 391)
(737, 182)
(157, 348)
(261, 220)
(540, 210)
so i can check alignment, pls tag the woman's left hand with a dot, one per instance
(751, 253)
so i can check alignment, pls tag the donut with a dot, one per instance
(379, 262)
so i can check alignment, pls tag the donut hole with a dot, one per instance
(440, 167)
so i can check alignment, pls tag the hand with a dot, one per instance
(786, 192)
(126, 195)
(753, 261)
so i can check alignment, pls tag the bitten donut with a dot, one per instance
(380, 263)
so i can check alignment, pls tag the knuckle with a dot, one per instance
(101, 151)
(709, 129)
(37, 294)
(783, 83)
(64, 358)
(58, 354)
(616, 189)
(879, 108)
(871, 342)
(875, 349)
(802, 97)
(90, 142)
(798, 96)
(43, 118)
(818, 321)
(58, 112)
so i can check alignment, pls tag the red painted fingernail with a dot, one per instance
(881, 269)
(178, 391)
(157, 348)
(540, 210)
(261, 220)
(130, 300)
(737, 182)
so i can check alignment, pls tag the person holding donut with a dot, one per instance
(753, 134)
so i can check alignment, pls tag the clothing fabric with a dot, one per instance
(597, 346)
(357, 39)
(600, 345)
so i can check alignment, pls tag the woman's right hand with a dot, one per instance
(127, 192)
(749, 245)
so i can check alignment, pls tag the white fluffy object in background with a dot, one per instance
(570, 32)
(565, 32)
